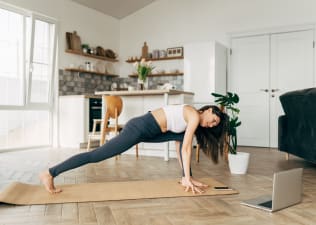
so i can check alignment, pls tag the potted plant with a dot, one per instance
(85, 48)
(238, 161)
(143, 68)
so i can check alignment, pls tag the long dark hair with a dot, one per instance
(212, 139)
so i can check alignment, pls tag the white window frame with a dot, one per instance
(49, 104)
(27, 104)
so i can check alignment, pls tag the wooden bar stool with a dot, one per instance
(109, 126)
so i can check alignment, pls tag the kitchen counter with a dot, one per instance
(143, 92)
(138, 102)
(80, 96)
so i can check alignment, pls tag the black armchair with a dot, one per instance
(297, 128)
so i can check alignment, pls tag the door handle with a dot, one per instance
(265, 90)
(275, 90)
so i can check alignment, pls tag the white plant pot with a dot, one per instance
(238, 163)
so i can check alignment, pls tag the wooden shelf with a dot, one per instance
(156, 59)
(159, 74)
(91, 72)
(91, 56)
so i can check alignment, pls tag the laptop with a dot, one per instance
(287, 191)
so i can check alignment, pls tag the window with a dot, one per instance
(27, 44)
(11, 58)
(24, 128)
(42, 62)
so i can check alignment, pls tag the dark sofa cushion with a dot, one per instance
(298, 127)
(300, 106)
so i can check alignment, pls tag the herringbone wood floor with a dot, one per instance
(25, 165)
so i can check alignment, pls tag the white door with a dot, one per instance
(262, 68)
(291, 69)
(249, 78)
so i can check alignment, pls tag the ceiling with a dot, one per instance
(116, 8)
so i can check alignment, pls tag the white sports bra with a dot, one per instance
(175, 119)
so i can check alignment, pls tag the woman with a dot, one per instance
(173, 122)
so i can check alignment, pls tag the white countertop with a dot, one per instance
(80, 96)
(143, 92)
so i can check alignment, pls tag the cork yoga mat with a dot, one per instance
(27, 194)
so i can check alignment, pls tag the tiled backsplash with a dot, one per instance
(74, 83)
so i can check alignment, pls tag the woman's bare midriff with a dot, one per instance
(160, 117)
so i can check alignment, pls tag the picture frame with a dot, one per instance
(175, 52)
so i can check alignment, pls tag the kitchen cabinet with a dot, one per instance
(205, 68)
(74, 122)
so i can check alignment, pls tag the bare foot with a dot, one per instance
(48, 182)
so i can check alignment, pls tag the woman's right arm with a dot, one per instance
(192, 118)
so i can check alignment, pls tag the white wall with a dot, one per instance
(93, 27)
(167, 23)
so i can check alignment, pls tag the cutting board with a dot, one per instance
(75, 42)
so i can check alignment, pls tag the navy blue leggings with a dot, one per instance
(139, 129)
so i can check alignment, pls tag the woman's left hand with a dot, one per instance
(188, 184)
(198, 183)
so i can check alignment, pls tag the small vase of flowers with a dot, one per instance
(143, 68)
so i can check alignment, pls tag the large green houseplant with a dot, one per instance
(238, 161)
(229, 102)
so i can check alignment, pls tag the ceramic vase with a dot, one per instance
(141, 84)
(238, 163)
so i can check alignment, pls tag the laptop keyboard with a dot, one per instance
(267, 204)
